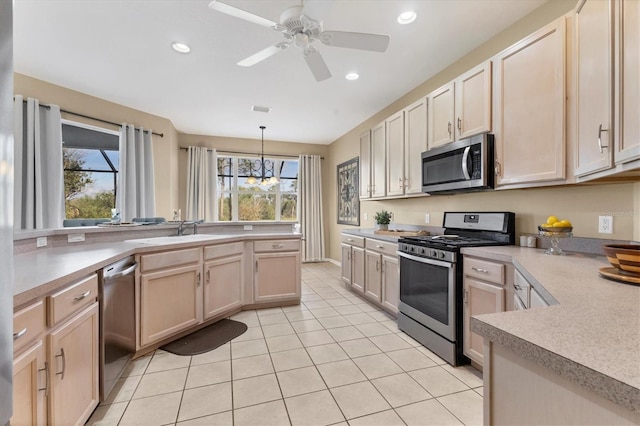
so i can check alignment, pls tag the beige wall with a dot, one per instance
(581, 205)
(163, 148)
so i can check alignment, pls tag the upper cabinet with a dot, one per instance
(529, 109)
(406, 141)
(372, 162)
(461, 108)
(607, 46)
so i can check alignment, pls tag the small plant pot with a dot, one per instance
(381, 227)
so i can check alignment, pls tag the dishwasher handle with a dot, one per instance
(124, 272)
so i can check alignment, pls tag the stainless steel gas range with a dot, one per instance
(430, 308)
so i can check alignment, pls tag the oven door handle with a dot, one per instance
(424, 260)
(465, 158)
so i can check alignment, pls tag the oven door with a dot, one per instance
(428, 293)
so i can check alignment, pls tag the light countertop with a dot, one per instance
(41, 272)
(589, 335)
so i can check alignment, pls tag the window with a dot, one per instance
(90, 158)
(239, 200)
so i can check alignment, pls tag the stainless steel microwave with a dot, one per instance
(461, 166)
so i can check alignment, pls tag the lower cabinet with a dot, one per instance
(273, 279)
(223, 285)
(370, 267)
(484, 293)
(30, 388)
(73, 372)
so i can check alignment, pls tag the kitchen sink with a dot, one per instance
(177, 239)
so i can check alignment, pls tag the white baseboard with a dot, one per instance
(335, 262)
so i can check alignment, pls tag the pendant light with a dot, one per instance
(262, 166)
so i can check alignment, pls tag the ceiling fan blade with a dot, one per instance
(242, 14)
(362, 41)
(316, 64)
(263, 54)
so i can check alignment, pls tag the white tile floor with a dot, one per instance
(334, 359)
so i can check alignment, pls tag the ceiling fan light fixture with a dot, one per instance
(352, 76)
(180, 47)
(407, 17)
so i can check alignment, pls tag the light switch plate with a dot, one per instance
(427, 218)
(75, 238)
(41, 242)
(248, 227)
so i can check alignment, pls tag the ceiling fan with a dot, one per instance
(303, 31)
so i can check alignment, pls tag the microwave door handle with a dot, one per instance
(465, 158)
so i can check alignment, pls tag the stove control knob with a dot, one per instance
(433, 253)
(423, 250)
(441, 255)
(412, 249)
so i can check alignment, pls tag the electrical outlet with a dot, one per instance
(605, 224)
(41, 242)
(75, 238)
(366, 216)
(427, 218)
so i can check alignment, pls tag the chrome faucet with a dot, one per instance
(185, 222)
(181, 227)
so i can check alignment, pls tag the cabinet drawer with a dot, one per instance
(381, 246)
(150, 262)
(28, 323)
(276, 245)
(70, 300)
(352, 240)
(223, 250)
(484, 270)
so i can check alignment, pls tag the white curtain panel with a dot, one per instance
(201, 183)
(38, 170)
(310, 208)
(136, 188)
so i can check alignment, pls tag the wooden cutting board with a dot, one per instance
(400, 233)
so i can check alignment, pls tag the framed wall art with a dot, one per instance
(348, 192)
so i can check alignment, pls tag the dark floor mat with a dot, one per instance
(206, 339)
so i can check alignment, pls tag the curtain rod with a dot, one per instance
(92, 118)
(250, 153)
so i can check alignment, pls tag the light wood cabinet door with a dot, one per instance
(170, 301)
(223, 285)
(395, 154)
(365, 164)
(73, 361)
(594, 51)
(357, 269)
(373, 276)
(529, 108)
(345, 264)
(277, 276)
(415, 143)
(378, 160)
(473, 101)
(479, 298)
(30, 383)
(628, 82)
(390, 283)
(441, 116)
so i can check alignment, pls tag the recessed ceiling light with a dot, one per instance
(352, 76)
(407, 17)
(257, 108)
(180, 47)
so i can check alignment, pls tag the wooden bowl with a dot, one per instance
(624, 256)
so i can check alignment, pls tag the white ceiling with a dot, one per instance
(119, 50)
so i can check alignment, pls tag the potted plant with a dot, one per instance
(382, 219)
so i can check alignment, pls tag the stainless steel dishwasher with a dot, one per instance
(117, 322)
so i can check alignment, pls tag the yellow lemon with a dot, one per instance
(565, 223)
(551, 220)
(558, 225)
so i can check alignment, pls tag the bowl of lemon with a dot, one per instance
(554, 229)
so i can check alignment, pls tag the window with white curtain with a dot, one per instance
(238, 200)
(90, 162)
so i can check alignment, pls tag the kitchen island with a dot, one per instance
(575, 361)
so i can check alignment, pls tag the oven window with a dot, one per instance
(426, 288)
